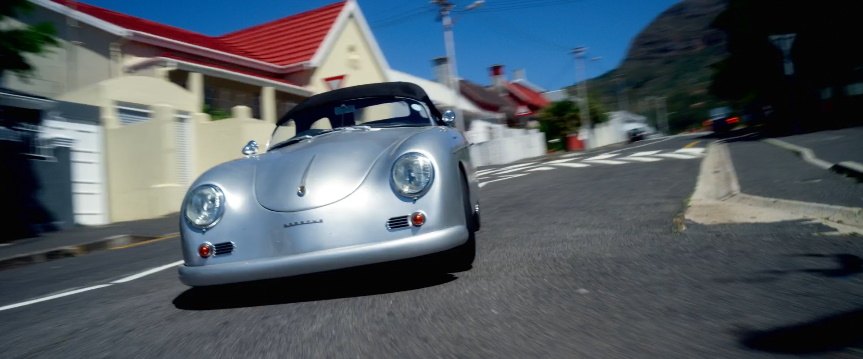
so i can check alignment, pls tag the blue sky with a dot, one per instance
(534, 35)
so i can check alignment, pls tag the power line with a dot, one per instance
(400, 18)
(533, 38)
(501, 6)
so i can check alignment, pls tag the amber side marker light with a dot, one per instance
(205, 250)
(418, 219)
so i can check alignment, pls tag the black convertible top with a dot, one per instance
(383, 89)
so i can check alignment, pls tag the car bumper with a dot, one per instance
(324, 260)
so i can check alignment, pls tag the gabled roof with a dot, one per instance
(282, 46)
(526, 95)
(487, 99)
(267, 42)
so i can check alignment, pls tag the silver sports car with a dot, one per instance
(355, 176)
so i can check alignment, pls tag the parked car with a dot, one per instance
(721, 120)
(636, 134)
(355, 176)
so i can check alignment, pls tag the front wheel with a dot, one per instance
(461, 258)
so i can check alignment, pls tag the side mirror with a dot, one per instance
(250, 148)
(449, 118)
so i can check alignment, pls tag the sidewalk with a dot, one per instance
(840, 151)
(751, 180)
(770, 171)
(85, 239)
(833, 146)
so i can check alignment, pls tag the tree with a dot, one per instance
(17, 42)
(559, 119)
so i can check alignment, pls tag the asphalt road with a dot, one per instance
(578, 260)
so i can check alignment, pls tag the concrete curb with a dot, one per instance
(848, 168)
(71, 251)
(717, 199)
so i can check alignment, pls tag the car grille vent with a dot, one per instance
(398, 222)
(224, 248)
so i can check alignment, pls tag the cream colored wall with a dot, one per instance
(81, 59)
(142, 171)
(135, 89)
(360, 65)
(221, 141)
(141, 158)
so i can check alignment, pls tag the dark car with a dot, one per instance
(721, 120)
(636, 134)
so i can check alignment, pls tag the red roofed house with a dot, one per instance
(527, 98)
(153, 84)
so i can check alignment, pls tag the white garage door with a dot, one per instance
(89, 201)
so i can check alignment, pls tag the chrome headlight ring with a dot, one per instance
(204, 206)
(412, 174)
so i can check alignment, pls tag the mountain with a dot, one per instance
(670, 58)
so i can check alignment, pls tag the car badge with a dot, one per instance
(301, 191)
(299, 223)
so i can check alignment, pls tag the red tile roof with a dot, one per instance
(289, 40)
(527, 96)
(147, 26)
(283, 42)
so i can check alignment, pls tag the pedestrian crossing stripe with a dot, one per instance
(641, 159)
(644, 153)
(572, 165)
(676, 155)
(540, 169)
(574, 161)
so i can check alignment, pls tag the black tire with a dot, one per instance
(461, 258)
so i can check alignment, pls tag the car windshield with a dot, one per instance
(355, 113)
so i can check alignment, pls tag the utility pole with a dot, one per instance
(445, 10)
(579, 53)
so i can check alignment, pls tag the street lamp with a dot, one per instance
(449, 44)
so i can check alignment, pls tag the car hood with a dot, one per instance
(324, 169)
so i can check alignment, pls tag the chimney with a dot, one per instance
(441, 70)
(497, 77)
(519, 75)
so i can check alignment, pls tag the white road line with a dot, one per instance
(87, 289)
(602, 156)
(663, 139)
(676, 155)
(482, 184)
(572, 165)
(644, 153)
(693, 150)
(512, 170)
(518, 165)
(642, 159)
(541, 169)
(569, 155)
(560, 161)
(506, 169)
(608, 162)
(147, 272)
(55, 296)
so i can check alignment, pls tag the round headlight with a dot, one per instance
(204, 206)
(412, 174)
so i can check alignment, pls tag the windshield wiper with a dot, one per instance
(292, 141)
